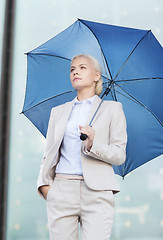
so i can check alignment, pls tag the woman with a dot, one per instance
(76, 178)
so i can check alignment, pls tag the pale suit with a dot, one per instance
(109, 148)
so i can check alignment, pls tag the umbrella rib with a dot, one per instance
(139, 79)
(47, 54)
(47, 100)
(100, 48)
(134, 81)
(106, 78)
(131, 54)
(140, 103)
(127, 97)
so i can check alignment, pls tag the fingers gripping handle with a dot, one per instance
(83, 136)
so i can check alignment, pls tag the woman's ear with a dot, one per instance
(98, 76)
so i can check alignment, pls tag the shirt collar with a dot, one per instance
(89, 100)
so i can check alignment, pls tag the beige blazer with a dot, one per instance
(109, 145)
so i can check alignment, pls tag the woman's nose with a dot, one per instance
(76, 71)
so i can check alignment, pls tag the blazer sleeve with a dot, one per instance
(113, 153)
(49, 136)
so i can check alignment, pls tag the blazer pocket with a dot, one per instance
(49, 193)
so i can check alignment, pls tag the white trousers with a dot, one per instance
(70, 202)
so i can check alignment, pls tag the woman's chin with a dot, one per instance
(78, 87)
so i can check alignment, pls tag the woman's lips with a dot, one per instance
(76, 79)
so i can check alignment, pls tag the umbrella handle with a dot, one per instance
(83, 136)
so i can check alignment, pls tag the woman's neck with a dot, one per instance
(84, 95)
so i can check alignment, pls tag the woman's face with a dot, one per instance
(83, 73)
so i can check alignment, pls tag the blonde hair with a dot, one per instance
(99, 83)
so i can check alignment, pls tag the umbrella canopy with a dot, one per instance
(132, 63)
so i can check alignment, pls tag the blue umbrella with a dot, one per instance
(132, 62)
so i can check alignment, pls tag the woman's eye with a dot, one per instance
(72, 69)
(83, 67)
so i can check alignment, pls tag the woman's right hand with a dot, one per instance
(44, 189)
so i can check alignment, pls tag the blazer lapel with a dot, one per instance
(60, 127)
(94, 107)
(62, 120)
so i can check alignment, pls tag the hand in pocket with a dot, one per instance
(45, 189)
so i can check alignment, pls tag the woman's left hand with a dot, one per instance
(90, 132)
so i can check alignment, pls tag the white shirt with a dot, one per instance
(70, 158)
